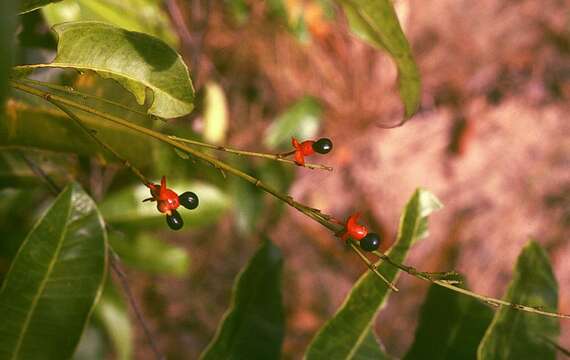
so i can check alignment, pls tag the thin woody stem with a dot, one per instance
(91, 134)
(276, 157)
(323, 219)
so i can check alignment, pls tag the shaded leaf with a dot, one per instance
(253, 326)
(376, 23)
(46, 129)
(54, 281)
(125, 207)
(248, 214)
(135, 60)
(30, 5)
(112, 313)
(146, 16)
(451, 326)
(148, 253)
(7, 35)
(342, 336)
(301, 120)
(215, 114)
(519, 335)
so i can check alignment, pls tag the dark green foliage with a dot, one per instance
(254, 324)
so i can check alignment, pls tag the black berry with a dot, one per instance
(370, 242)
(174, 220)
(323, 146)
(189, 200)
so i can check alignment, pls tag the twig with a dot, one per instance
(276, 157)
(323, 219)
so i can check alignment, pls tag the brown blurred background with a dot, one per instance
(492, 141)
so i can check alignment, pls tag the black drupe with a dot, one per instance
(370, 242)
(189, 200)
(323, 146)
(174, 220)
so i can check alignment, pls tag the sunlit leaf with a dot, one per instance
(146, 16)
(54, 281)
(92, 345)
(370, 348)
(216, 120)
(342, 336)
(376, 22)
(125, 207)
(451, 326)
(301, 120)
(519, 335)
(139, 62)
(112, 313)
(30, 5)
(148, 253)
(253, 326)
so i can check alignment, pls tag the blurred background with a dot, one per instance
(491, 140)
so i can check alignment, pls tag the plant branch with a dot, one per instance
(314, 214)
(276, 157)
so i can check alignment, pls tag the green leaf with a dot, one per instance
(46, 129)
(519, 335)
(376, 23)
(125, 207)
(215, 114)
(370, 348)
(342, 336)
(135, 60)
(54, 281)
(248, 215)
(7, 31)
(92, 345)
(451, 326)
(301, 120)
(146, 16)
(112, 313)
(30, 5)
(148, 253)
(253, 326)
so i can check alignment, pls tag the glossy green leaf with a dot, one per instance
(216, 120)
(146, 16)
(7, 35)
(54, 281)
(342, 336)
(30, 5)
(47, 129)
(376, 22)
(125, 207)
(253, 326)
(137, 61)
(519, 335)
(451, 326)
(301, 120)
(113, 314)
(148, 253)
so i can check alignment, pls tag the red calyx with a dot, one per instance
(354, 230)
(167, 200)
(301, 150)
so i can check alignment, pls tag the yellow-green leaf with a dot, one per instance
(376, 23)
(137, 61)
(343, 335)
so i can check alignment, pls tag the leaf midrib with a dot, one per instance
(35, 301)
